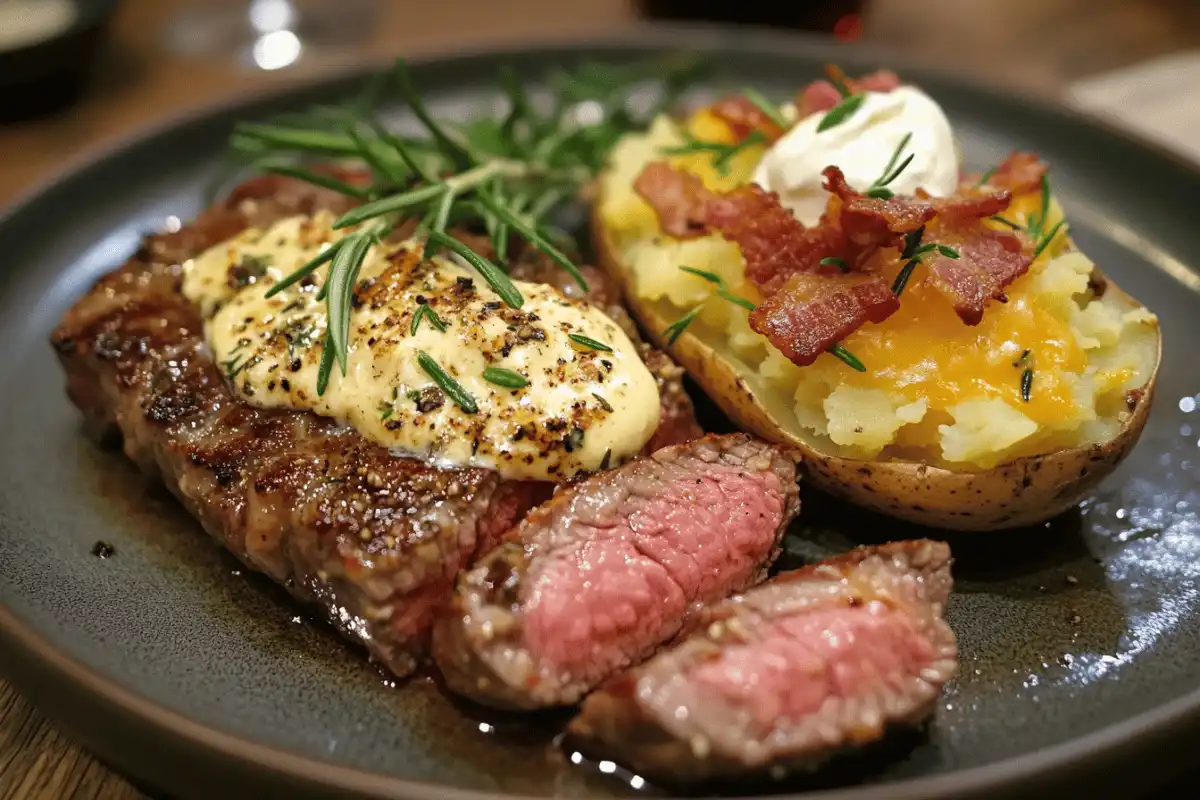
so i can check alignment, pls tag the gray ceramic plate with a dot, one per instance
(1080, 640)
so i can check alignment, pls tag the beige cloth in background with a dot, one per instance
(1158, 99)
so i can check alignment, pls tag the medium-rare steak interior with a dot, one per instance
(373, 539)
(598, 577)
(811, 662)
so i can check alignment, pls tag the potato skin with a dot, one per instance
(1025, 491)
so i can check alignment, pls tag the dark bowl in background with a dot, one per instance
(49, 74)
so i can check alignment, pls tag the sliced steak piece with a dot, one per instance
(812, 662)
(374, 540)
(598, 577)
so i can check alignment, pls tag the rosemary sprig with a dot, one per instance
(766, 106)
(343, 274)
(505, 377)
(987, 176)
(722, 152)
(451, 387)
(425, 312)
(589, 342)
(506, 176)
(1035, 223)
(834, 261)
(495, 277)
(1005, 221)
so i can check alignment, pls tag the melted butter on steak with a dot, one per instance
(583, 408)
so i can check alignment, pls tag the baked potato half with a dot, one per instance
(998, 425)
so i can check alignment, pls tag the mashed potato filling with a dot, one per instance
(935, 389)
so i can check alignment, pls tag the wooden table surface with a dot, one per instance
(1033, 46)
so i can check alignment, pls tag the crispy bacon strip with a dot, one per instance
(679, 199)
(1021, 172)
(743, 118)
(822, 95)
(988, 262)
(811, 313)
(869, 221)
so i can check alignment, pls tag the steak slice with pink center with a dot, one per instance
(610, 568)
(811, 663)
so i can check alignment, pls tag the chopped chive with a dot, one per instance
(589, 342)
(841, 112)
(834, 261)
(766, 106)
(711, 277)
(603, 403)
(1048, 238)
(495, 277)
(450, 386)
(673, 331)
(733, 298)
(425, 312)
(880, 193)
(891, 171)
(902, 278)
(1005, 221)
(505, 377)
(851, 360)
(987, 176)
(1026, 384)
(947, 251)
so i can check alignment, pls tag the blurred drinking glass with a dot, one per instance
(842, 18)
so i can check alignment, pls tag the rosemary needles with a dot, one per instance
(504, 177)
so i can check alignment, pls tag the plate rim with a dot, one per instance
(21, 642)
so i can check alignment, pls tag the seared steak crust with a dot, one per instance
(374, 540)
(599, 576)
(808, 664)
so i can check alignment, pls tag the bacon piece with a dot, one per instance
(1020, 173)
(870, 221)
(743, 117)
(988, 262)
(969, 204)
(811, 313)
(678, 198)
(822, 95)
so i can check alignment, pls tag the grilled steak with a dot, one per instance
(598, 577)
(374, 540)
(812, 662)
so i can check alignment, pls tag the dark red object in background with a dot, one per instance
(842, 18)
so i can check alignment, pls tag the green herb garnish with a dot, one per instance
(505, 176)
(589, 342)
(851, 360)
(722, 152)
(505, 377)
(841, 112)
(834, 261)
(425, 312)
(673, 331)
(894, 168)
(766, 106)
(448, 385)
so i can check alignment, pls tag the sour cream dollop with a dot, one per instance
(861, 147)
